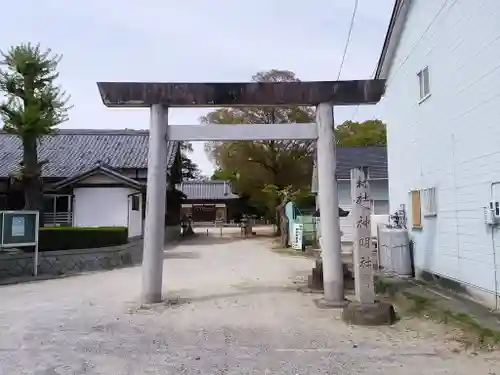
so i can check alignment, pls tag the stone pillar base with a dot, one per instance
(315, 280)
(369, 314)
(324, 304)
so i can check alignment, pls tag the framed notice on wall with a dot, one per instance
(18, 226)
(19, 229)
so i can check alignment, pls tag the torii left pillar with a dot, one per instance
(154, 232)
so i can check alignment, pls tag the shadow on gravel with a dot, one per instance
(172, 301)
(212, 239)
(172, 254)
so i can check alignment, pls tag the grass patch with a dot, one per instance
(472, 334)
(418, 305)
(485, 337)
(382, 287)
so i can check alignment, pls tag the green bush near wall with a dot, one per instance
(68, 238)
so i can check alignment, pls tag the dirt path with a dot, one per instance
(238, 313)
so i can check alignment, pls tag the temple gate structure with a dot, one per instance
(159, 97)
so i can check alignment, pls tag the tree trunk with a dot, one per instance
(31, 176)
(283, 225)
(280, 216)
(284, 233)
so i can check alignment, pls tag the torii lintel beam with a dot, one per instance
(241, 94)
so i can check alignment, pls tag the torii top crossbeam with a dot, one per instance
(242, 94)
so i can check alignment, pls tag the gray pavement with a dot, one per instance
(232, 308)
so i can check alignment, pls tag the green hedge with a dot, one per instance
(67, 238)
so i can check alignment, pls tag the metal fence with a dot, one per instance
(58, 218)
(231, 223)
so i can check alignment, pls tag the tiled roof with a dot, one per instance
(70, 152)
(375, 158)
(207, 190)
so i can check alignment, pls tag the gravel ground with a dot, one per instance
(232, 309)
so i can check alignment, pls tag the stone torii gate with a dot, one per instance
(324, 95)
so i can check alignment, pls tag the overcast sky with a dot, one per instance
(194, 40)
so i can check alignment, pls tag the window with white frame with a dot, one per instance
(57, 209)
(424, 83)
(429, 201)
(53, 204)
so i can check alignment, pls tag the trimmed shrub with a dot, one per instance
(69, 238)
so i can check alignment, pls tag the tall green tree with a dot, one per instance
(220, 174)
(257, 164)
(34, 106)
(190, 170)
(361, 134)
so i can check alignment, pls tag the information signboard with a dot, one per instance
(20, 229)
(298, 235)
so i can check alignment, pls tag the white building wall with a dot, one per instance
(101, 206)
(450, 141)
(106, 206)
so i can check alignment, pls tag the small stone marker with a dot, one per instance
(362, 256)
(365, 310)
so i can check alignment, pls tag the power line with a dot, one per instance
(355, 10)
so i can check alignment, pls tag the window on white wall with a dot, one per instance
(53, 204)
(424, 83)
(416, 209)
(429, 202)
(135, 202)
(380, 207)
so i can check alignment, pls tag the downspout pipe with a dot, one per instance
(493, 184)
